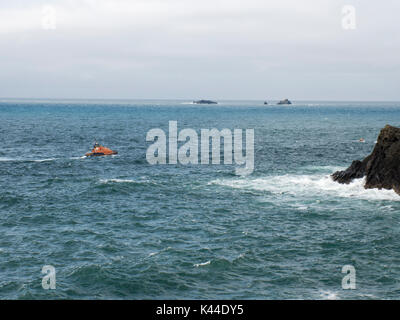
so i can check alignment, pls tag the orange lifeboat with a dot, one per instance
(99, 150)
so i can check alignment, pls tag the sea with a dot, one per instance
(118, 227)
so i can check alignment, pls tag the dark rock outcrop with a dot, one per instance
(382, 167)
(285, 101)
(205, 102)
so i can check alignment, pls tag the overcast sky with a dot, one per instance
(185, 49)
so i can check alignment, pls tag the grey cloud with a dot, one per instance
(186, 49)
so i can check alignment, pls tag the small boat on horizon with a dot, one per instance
(285, 101)
(205, 102)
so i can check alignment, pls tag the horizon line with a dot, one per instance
(191, 99)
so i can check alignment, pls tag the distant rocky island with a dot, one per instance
(205, 102)
(381, 168)
(285, 101)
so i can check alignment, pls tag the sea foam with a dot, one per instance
(117, 181)
(306, 186)
(202, 264)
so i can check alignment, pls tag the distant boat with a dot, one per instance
(99, 150)
(285, 101)
(265, 102)
(205, 102)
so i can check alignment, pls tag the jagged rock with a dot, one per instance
(285, 101)
(382, 167)
(205, 102)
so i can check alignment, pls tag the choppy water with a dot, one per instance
(117, 227)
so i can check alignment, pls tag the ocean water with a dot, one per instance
(119, 228)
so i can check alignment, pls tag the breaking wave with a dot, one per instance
(118, 181)
(202, 264)
(307, 186)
